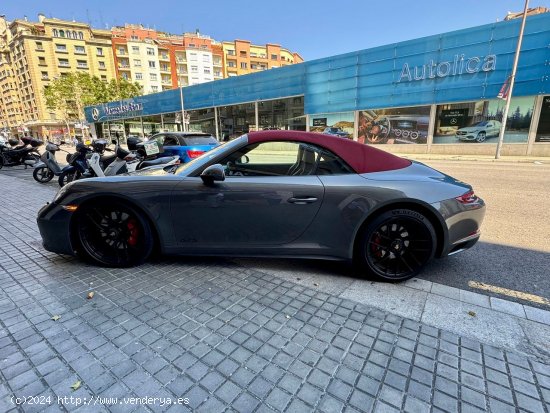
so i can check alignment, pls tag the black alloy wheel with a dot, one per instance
(67, 177)
(397, 245)
(42, 174)
(113, 234)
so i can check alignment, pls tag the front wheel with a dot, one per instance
(69, 176)
(396, 245)
(481, 136)
(42, 174)
(113, 234)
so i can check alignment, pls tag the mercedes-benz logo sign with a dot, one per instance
(95, 113)
(454, 121)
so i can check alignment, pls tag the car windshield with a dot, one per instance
(484, 123)
(183, 169)
(199, 140)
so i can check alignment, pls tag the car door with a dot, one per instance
(261, 204)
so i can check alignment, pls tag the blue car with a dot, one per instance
(187, 145)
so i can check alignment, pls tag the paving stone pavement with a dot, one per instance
(222, 337)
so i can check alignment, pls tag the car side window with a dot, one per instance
(330, 164)
(272, 159)
(170, 141)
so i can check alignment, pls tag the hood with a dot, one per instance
(470, 129)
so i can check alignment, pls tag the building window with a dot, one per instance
(41, 61)
(206, 71)
(104, 78)
(134, 37)
(242, 53)
(153, 76)
(243, 65)
(191, 45)
(155, 88)
(253, 66)
(81, 35)
(193, 56)
(150, 51)
(273, 57)
(135, 49)
(124, 76)
(61, 33)
(79, 50)
(55, 33)
(194, 69)
(64, 62)
(217, 73)
(82, 64)
(69, 35)
(139, 76)
(164, 67)
(101, 64)
(45, 76)
(137, 62)
(99, 51)
(60, 47)
(231, 52)
(152, 64)
(121, 50)
(206, 58)
(39, 46)
(231, 64)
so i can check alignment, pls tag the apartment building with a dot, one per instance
(243, 57)
(160, 61)
(34, 53)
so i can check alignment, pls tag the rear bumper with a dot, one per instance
(54, 226)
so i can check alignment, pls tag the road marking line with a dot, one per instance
(510, 293)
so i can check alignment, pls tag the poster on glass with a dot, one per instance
(397, 125)
(335, 124)
(480, 122)
(543, 129)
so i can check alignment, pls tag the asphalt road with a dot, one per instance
(514, 250)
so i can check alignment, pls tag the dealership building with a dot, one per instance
(437, 94)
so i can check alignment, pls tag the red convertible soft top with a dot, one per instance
(362, 158)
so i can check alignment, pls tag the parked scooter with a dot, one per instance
(24, 154)
(48, 167)
(77, 166)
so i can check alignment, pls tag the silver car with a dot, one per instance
(480, 131)
(272, 193)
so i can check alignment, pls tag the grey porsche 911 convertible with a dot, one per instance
(275, 194)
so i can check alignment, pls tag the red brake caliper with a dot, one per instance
(134, 232)
(377, 250)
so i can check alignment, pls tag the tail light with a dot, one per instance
(194, 154)
(467, 198)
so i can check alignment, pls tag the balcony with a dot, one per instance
(121, 53)
(164, 57)
(124, 67)
(180, 60)
(217, 63)
(166, 81)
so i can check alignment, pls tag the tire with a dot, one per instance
(1, 161)
(42, 174)
(396, 245)
(67, 177)
(113, 234)
(481, 136)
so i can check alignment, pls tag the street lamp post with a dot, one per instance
(512, 79)
(184, 127)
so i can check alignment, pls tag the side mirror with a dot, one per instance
(212, 174)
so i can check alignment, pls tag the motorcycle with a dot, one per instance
(25, 154)
(48, 167)
(77, 166)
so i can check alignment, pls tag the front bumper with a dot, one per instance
(469, 137)
(54, 226)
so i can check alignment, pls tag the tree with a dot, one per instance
(70, 93)
(123, 89)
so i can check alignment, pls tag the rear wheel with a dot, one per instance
(42, 174)
(396, 245)
(70, 176)
(113, 234)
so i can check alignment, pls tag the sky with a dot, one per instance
(315, 29)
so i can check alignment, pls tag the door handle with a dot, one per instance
(302, 200)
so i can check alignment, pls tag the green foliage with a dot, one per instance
(69, 94)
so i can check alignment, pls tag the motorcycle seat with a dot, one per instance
(158, 161)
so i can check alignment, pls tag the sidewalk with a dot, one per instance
(224, 337)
